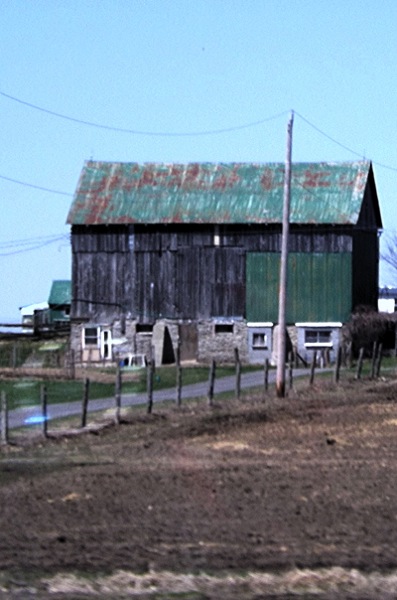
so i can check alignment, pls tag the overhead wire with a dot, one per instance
(379, 164)
(20, 246)
(169, 134)
(181, 133)
(36, 187)
(141, 132)
(328, 136)
(29, 241)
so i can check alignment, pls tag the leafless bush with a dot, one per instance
(367, 327)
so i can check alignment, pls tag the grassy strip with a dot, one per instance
(26, 391)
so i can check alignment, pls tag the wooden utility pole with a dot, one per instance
(282, 342)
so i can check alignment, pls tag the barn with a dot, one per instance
(188, 255)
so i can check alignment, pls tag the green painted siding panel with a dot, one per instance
(262, 286)
(319, 287)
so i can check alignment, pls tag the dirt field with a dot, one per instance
(292, 498)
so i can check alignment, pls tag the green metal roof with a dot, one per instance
(117, 193)
(61, 293)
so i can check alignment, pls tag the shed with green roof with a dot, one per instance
(59, 301)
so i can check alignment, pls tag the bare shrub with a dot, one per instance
(367, 327)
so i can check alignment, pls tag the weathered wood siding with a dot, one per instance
(177, 271)
(100, 262)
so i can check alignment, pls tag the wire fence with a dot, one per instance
(50, 358)
(47, 408)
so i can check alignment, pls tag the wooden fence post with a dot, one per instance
(4, 419)
(117, 395)
(349, 353)
(373, 362)
(338, 363)
(178, 375)
(266, 374)
(238, 373)
(290, 371)
(313, 367)
(85, 402)
(211, 383)
(14, 355)
(44, 403)
(360, 363)
(149, 384)
(378, 360)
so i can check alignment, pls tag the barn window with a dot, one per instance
(98, 337)
(318, 337)
(223, 328)
(144, 328)
(91, 336)
(259, 341)
(217, 237)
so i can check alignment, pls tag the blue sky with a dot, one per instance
(177, 67)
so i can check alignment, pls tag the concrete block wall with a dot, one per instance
(75, 340)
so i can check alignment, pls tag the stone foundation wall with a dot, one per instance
(220, 346)
(216, 340)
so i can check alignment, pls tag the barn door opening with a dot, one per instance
(189, 341)
(168, 349)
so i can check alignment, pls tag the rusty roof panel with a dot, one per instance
(116, 193)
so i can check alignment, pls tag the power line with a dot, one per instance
(36, 187)
(29, 245)
(26, 245)
(328, 136)
(172, 134)
(139, 132)
(342, 145)
(33, 240)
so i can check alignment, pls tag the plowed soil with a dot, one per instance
(249, 499)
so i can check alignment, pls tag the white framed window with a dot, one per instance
(318, 338)
(91, 337)
(99, 338)
(259, 341)
(144, 328)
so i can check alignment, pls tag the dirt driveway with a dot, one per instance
(244, 500)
